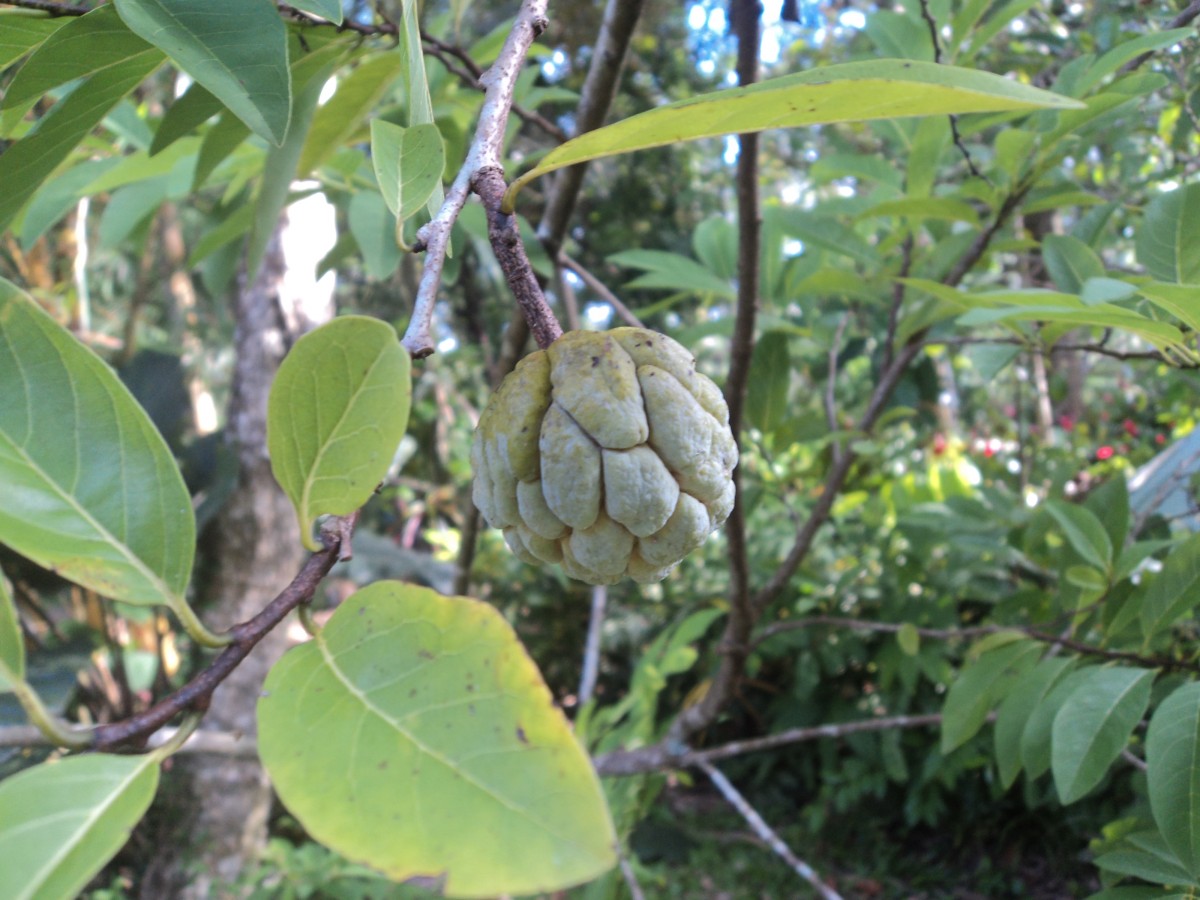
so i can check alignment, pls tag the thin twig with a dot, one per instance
(764, 831)
(631, 882)
(196, 694)
(932, 24)
(591, 652)
(600, 289)
(499, 83)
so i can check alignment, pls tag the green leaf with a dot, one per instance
(408, 164)
(1110, 504)
(326, 9)
(84, 46)
(184, 116)
(339, 118)
(1175, 590)
(22, 34)
(58, 197)
(221, 140)
(91, 490)
(1144, 855)
(770, 381)
(1105, 290)
(1168, 239)
(419, 708)
(1160, 334)
(1130, 49)
(852, 92)
(1180, 300)
(922, 208)
(1027, 692)
(1093, 727)
(1070, 262)
(671, 271)
(1084, 532)
(374, 230)
(909, 639)
(309, 75)
(1173, 773)
(12, 642)
(420, 104)
(980, 685)
(236, 49)
(1035, 738)
(61, 821)
(28, 162)
(337, 411)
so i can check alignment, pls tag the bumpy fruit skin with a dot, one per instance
(607, 453)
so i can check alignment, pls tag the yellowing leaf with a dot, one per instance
(853, 92)
(415, 735)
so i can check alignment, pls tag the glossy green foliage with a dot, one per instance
(876, 89)
(1173, 773)
(337, 410)
(414, 734)
(1093, 727)
(236, 49)
(91, 490)
(22, 33)
(12, 642)
(1168, 241)
(61, 821)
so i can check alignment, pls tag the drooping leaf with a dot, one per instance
(337, 411)
(182, 117)
(1180, 300)
(1173, 773)
(23, 33)
(1168, 239)
(1070, 262)
(87, 485)
(427, 707)
(308, 76)
(980, 686)
(61, 821)
(1145, 855)
(671, 271)
(769, 383)
(326, 9)
(28, 162)
(12, 643)
(237, 49)
(877, 89)
(374, 230)
(1027, 692)
(1174, 590)
(225, 135)
(1084, 532)
(1109, 502)
(1035, 738)
(1093, 727)
(420, 104)
(408, 164)
(343, 114)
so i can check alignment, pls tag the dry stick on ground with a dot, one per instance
(764, 831)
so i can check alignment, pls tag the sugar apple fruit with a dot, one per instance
(608, 453)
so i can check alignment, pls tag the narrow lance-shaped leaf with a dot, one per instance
(61, 821)
(337, 411)
(341, 117)
(420, 104)
(852, 92)
(425, 707)
(1084, 532)
(1018, 706)
(980, 686)
(1093, 727)
(237, 49)
(1173, 773)
(12, 644)
(22, 33)
(87, 485)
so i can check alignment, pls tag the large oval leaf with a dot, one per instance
(1094, 725)
(60, 822)
(414, 734)
(1173, 773)
(982, 685)
(237, 49)
(1168, 240)
(852, 92)
(338, 408)
(88, 487)
(408, 165)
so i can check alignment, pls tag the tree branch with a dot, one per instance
(1186, 16)
(499, 83)
(196, 694)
